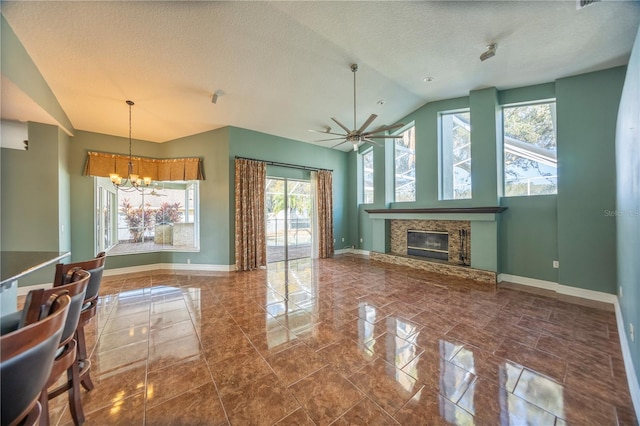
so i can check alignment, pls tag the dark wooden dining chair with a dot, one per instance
(26, 359)
(66, 360)
(63, 273)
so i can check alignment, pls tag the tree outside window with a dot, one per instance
(530, 150)
(455, 155)
(405, 166)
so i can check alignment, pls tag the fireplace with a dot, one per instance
(430, 244)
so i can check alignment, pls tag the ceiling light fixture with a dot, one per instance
(132, 182)
(214, 97)
(427, 79)
(490, 52)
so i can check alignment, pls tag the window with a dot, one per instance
(367, 177)
(164, 217)
(455, 155)
(405, 166)
(530, 160)
(105, 217)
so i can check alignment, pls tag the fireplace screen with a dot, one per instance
(431, 244)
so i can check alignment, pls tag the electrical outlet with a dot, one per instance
(362, 240)
(188, 261)
(631, 332)
(556, 264)
(620, 292)
(343, 239)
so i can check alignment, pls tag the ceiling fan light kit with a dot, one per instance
(356, 136)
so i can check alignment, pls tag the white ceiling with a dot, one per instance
(283, 67)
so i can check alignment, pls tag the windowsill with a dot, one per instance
(121, 249)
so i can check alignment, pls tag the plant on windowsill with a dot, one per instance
(165, 217)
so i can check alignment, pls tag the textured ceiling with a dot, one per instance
(283, 67)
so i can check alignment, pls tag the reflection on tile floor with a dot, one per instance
(348, 341)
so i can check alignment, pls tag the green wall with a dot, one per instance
(529, 237)
(34, 195)
(587, 107)
(534, 231)
(215, 233)
(628, 201)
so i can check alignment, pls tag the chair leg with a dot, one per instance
(44, 403)
(75, 404)
(82, 357)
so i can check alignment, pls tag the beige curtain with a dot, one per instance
(102, 164)
(251, 247)
(324, 200)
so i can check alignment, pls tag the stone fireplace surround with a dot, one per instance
(399, 230)
(389, 229)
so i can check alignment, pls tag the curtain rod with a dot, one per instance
(292, 166)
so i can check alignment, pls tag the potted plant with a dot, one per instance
(165, 217)
(139, 219)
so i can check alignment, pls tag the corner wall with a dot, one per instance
(587, 107)
(627, 211)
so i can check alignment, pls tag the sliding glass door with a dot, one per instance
(289, 210)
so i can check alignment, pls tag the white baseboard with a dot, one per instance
(353, 251)
(559, 288)
(170, 267)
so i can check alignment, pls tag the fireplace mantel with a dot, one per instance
(459, 210)
(483, 214)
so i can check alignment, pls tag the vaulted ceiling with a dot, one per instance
(283, 67)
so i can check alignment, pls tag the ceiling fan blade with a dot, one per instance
(369, 141)
(326, 133)
(345, 128)
(344, 141)
(385, 128)
(367, 123)
(330, 139)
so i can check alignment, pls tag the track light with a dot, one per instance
(214, 97)
(490, 52)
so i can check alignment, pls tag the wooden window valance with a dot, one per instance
(102, 164)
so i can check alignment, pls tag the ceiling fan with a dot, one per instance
(358, 135)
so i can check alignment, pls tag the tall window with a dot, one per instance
(105, 217)
(164, 217)
(405, 166)
(530, 160)
(455, 155)
(367, 177)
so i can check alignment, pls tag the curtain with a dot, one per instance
(102, 164)
(315, 230)
(324, 200)
(251, 247)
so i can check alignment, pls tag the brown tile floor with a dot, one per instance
(348, 341)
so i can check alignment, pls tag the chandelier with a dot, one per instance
(132, 182)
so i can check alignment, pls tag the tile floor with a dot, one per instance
(346, 341)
